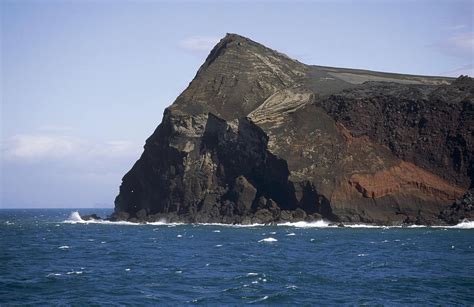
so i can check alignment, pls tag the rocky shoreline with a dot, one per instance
(460, 211)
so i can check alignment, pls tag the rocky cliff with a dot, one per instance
(258, 138)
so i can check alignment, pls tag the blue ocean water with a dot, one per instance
(44, 260)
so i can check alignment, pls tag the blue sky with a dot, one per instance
(84, 83)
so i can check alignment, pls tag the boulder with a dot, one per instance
(90, 217)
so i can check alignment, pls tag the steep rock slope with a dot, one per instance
(259, 137)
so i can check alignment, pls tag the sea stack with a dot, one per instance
(258, 137)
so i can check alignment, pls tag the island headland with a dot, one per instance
(258, 137)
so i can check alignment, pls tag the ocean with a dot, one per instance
(51, 257)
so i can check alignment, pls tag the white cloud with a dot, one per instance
(199, 44)
(457, 27)
(55, 128)
(116, 148)
(39, 147)
(463, 42)
(459, 45)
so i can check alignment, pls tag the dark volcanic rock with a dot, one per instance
(259, 138)
(90, 217)
(461, 209)
(430, 126)
(242, 194)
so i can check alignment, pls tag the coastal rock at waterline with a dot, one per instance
(462, 209)
(91, 217)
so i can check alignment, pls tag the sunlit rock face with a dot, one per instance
(259, 138)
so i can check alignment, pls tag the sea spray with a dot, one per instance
(75, 218)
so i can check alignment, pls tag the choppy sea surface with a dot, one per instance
(51, 257)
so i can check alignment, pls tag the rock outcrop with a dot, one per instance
(260, 138)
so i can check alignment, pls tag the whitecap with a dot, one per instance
(326, 224)
(291, 287)
(9, 223)
(365, 226)
(160, 222)
(63, 247)
(75, 218)
(315, 224)
(464, 225)
(53, 274)
(252, 274)
(273, 233)
(259, 300)
(127, 270)
(163, 223)
(362, 255)
(230, 225)
(291, 234)
(179, 236)
(216, 230)
(219, 245)
(269, 239)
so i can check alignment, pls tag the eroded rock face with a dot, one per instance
(462, 209)
(260, 138)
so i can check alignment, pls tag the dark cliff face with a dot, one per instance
(258, 137)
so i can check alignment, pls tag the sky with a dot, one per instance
(84, 83)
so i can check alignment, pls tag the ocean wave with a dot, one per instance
(259, 300)
(75, 218)
(316, 224)
(229, 225)
(463, 225)
(269, 239)
(325, 224)
(161, 223)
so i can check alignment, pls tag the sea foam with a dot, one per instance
(75, 218)
(269, 239)
(315, 224)
(462, 225)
